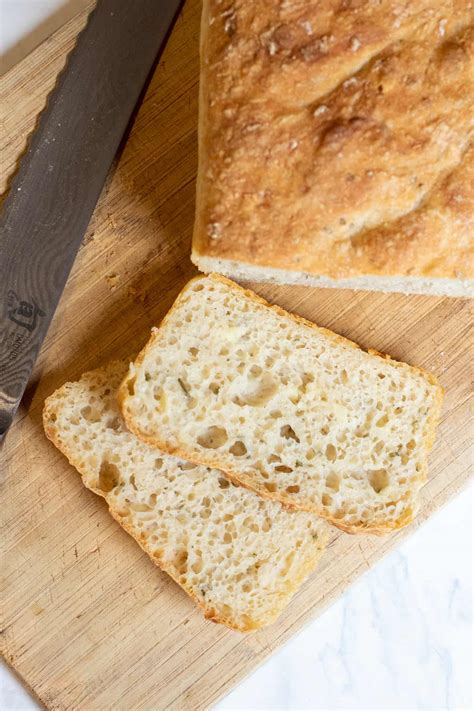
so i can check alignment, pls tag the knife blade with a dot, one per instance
(61, 175)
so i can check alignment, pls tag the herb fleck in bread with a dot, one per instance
(291, 411)
(240, 557)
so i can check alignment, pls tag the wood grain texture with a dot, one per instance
(89, 622)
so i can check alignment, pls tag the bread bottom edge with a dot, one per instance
(431, 286)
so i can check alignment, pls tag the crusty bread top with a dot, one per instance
(238, 556)
(293, 411)
(334, 136)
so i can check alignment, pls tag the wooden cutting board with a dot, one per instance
(89, 621)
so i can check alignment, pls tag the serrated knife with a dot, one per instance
(61, 175)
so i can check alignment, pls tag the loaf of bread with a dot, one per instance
(294, 412)
(335, 144)
(240, 557)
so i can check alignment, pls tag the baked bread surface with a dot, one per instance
(335, 143)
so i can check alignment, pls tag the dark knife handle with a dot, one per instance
(61, 175)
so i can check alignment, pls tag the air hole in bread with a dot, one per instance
(133, 482)
(238, 449)
(344, 378)
(333, 481)
(326, 499)
(331, 453)
(186, 466)
(273, 458)
(214, 388)
(379, 447)
(382, 421)
(109, 476)
(180, 561)
(196, 567)
(160, 397)
(91, 414)
(140, 507)
(293, 489)
(378, 479)
(283, 468)
(310, 454)
(288, 432)
(259, 392)
(131, 386)
(213, 438)
(223, 483)
(270, 486)
(114, 424)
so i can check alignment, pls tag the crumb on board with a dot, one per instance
(112, 279)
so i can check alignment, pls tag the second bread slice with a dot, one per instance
(292, 411)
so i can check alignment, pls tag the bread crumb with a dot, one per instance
(320, 110)
(349, 82)
(272, 48)
(112, 279)
(355, 44)
(214, 230)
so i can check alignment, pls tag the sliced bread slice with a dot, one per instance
(240, 557)
(291, 411)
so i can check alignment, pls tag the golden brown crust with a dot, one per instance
(334, 138)
(211, 459)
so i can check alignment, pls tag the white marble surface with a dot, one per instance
(400, 638)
